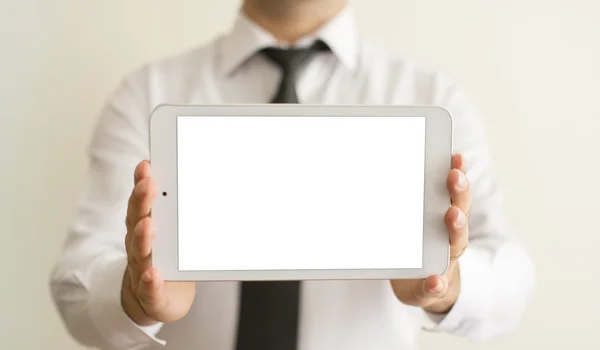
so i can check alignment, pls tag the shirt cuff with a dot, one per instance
(107, 314)
(473, 302)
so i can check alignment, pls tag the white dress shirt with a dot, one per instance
(496, 274)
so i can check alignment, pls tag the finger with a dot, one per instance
(140, 249)
(142, 170)
(434, 287)
(458, 230)
(127, 242)
(429, 290)
(459, 162)
(140, 202)
(151, 292)
(460, 190)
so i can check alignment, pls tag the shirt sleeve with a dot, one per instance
(86, 280)
(496, 274)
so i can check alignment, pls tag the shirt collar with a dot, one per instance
(246, 38)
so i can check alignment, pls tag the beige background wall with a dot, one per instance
(532, 66)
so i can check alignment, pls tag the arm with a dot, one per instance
(87, 279)
(490, 277)
(495, 274)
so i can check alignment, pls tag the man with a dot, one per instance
(109, 294)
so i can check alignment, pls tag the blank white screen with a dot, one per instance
(279, 193)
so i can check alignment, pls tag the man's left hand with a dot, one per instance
(437, 294)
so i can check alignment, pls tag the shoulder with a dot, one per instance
(172, 78)
(405, 80)
(186, 63)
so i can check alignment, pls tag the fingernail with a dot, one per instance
(146, 277)
(461, 220)
(462, 183)
(439, 286)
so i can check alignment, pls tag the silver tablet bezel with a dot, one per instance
(163, 152)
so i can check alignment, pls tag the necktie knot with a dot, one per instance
(290, 60)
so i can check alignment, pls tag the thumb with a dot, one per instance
(150, 293)
(432, 287)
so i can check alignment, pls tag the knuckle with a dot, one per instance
(143, 229)
(132, 260)
(458, 252)
(418, 293)
(459, 239)
(128, 222)
(126, 242)
(139, 228)
(442, 294)
(145, 298)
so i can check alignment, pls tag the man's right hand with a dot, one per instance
(145, 296)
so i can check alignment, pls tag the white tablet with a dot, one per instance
(297, 192)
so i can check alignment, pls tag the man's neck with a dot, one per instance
(290, 20)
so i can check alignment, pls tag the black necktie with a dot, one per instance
(290, 61)
(269, 311)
